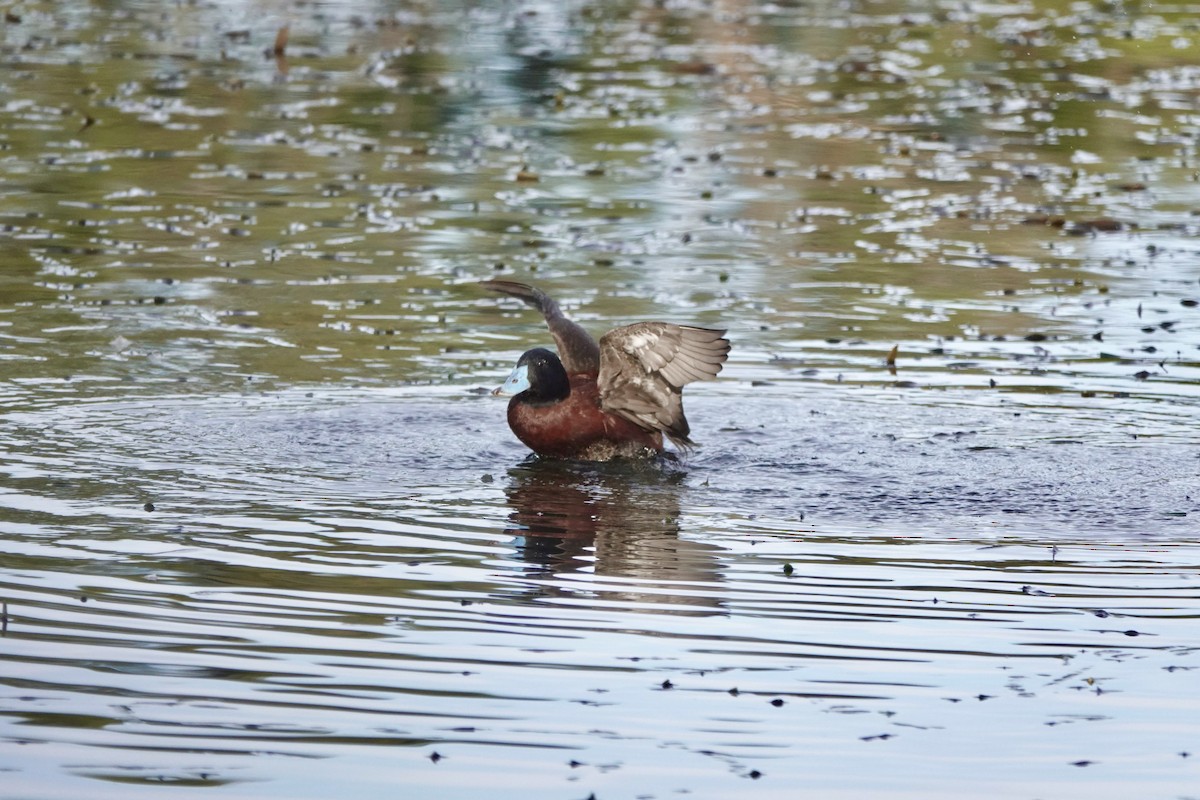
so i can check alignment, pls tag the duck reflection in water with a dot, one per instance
(623, 519)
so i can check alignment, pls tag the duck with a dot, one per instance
(616, 398)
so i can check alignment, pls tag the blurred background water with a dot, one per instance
(264, 532)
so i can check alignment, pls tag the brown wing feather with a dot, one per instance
(576, 348)
(644, 367)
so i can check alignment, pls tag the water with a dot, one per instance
(265, 533)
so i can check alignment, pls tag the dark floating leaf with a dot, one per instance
(1082, 763)
(695, 68)
(1103, 225)
(788, 569)
(1042, 219)
(777, 702)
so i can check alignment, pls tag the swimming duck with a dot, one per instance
(618, 398)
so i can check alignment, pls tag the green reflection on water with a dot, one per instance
(310, 218)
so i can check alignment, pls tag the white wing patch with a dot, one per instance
(638, 342)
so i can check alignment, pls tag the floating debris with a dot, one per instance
(281, 41)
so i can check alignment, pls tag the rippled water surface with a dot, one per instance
(264, 532)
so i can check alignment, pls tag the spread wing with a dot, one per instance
(576, 347)
(644, 367)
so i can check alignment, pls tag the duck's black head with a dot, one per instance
(539, 377)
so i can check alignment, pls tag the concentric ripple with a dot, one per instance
(307, 584)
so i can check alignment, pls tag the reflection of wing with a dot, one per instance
(644, 367)
(576, 347)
